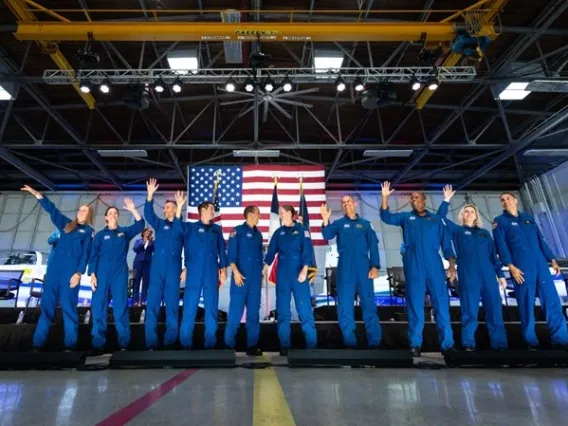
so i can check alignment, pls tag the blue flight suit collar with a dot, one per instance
(426, 213)
(509, 215)
(351, 220)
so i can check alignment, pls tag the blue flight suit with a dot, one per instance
(424, 271)
(245, 251)
(358, 249)
(71, 257)
(108, 263)
(141, 266)
(164, 277)
(204, 254)
(294, 248)
(519, 241)
(478, 269)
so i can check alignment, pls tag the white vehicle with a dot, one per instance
(34, 265)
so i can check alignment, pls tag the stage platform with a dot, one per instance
(15, 337)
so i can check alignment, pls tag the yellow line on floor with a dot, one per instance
(270, 407)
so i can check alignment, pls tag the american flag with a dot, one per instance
(241, 186)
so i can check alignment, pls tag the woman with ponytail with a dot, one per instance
(64, 270)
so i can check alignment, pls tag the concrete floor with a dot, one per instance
(281, 396)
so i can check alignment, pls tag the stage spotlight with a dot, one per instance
(358, 85)
(433, 84)
(287, 85)
(416, 85)
(230, 86)
(268, 85)
(85, 87)
(159, 86)
(176, 87)
(340, 84)
(249, 85)
(104, 88)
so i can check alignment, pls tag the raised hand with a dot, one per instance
(129, 205)
(27, 188)
(180, 198)
(386, 190)
(554, 265)
(448, 193)
(152, 186)
(325, 212)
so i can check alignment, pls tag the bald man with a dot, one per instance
(423, 233)
(358, 265)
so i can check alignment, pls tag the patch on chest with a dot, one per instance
(249, 235)
(359, 225)
(467, 232)
(295, 232)
(514, 224)
(347, 225)
(82, 231)
(201, 230)
(120, 234)
(412, 218)
(166, 227)
(107, 237)
(282, 233)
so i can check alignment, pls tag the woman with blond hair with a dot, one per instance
(480, 276)
(64, 270)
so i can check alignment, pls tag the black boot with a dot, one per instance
(254, 351)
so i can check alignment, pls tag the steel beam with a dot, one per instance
(23, 14)
(240, 144)
(23, 167)
(515, 147)
(543, 21)
(243, 31)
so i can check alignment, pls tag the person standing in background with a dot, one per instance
(144, 249)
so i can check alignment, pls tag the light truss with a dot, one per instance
(240, 75)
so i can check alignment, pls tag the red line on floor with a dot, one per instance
(127, 413)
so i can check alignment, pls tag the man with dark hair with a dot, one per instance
(423, 233)
(522, 248)
(165, 269)
(205, 260)
(358, 265)
(245, 258)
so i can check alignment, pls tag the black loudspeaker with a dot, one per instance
(41, 360)
(173, 359)
(512, 358)
(350, 358)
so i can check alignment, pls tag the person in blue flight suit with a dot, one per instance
(522, 248)
(480, 274)
(144, 248)
(358, 265)
(165, 269)
(293, 244)
(109, 275)
(245, 259)
(205, 261)
(423, 234)
(64, 271)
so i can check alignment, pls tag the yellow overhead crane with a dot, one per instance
(64, 29)
(214, 31)
(23, 14)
